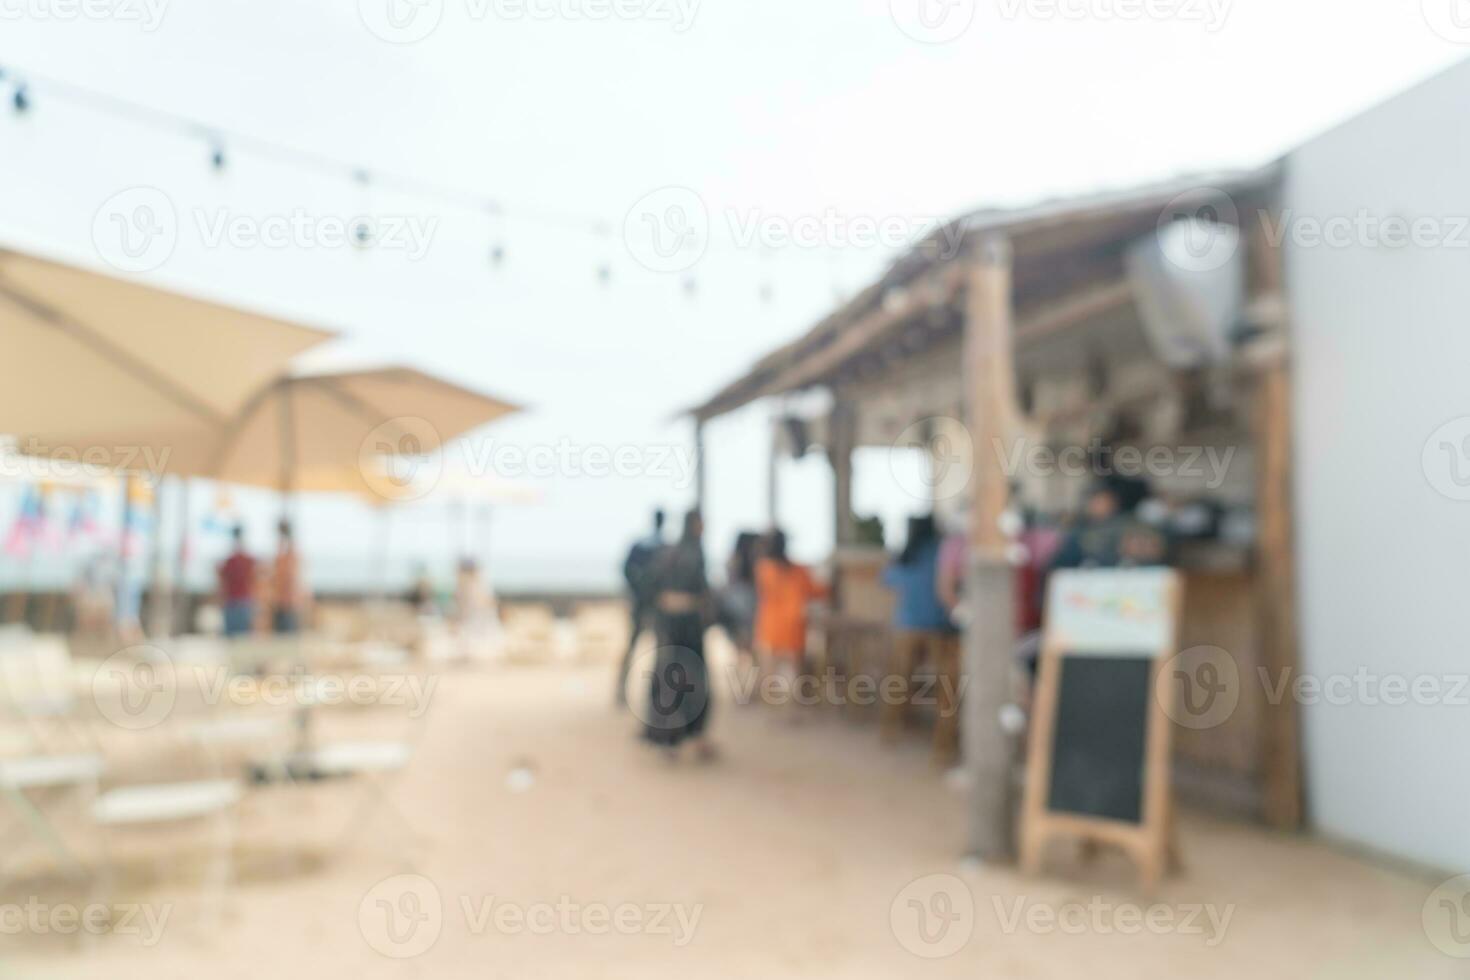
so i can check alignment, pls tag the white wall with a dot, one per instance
(1382, 361)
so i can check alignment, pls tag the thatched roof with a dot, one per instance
(1060, 247)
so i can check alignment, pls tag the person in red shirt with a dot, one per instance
(237, 587)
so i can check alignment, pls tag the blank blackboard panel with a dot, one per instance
(1101, 731)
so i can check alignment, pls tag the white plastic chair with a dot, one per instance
(23, 778)
(176, 780)
(372, 762)
(165, 802)
(49, 754)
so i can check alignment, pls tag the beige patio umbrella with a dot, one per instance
(459, 485)
(457, 490)
(92, 360)
(363, 432)
(367, 432)
(323, 432)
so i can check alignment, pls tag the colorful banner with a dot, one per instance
(137, 517)
(29, 525)
(223, 517)
(85, 523)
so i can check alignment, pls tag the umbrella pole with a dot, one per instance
(47, 619)
(179, 620)
(456, 533)
(122, 542)
(160, 599)
(487, 587)
(385, 530)
(489, 513)
(288, 451)
(47, 622)
(466, 531)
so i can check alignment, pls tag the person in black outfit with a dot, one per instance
(679, 694)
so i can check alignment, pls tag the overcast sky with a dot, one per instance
(856, 112)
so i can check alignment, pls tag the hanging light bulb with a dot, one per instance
(604, 273)
(21, 100)
(217, 158)
(364, 230)
(497, 248)
(767, 290)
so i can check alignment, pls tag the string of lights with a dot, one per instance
(222, 141)
(27, 92)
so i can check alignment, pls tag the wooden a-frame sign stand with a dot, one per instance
(1147, 833)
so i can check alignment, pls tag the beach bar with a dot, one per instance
(1009, 347)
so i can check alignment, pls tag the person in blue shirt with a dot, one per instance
(923, 631)
(638, 572)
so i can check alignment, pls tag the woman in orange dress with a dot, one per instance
(783, 589)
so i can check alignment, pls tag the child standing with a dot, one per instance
(783, 589)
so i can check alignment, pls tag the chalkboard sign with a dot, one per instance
(1100, 737)
(1099, 751)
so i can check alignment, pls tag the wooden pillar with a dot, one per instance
(773, 477)
(1275, 572)
(990, 636)
(841, 435)
(699, 474)
(1276, 595)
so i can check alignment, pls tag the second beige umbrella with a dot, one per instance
(333, 431)
(364, 432)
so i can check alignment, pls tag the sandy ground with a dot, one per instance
(805, 851)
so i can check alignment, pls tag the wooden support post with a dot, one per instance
(990, 634)
(699, 474)
(1276, 595)
(841, 435)
(773, 477)
(1275, 573)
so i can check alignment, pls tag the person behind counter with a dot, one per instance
(1095, 537)
(1103, 536)
(924, 631)
(1107, 535)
